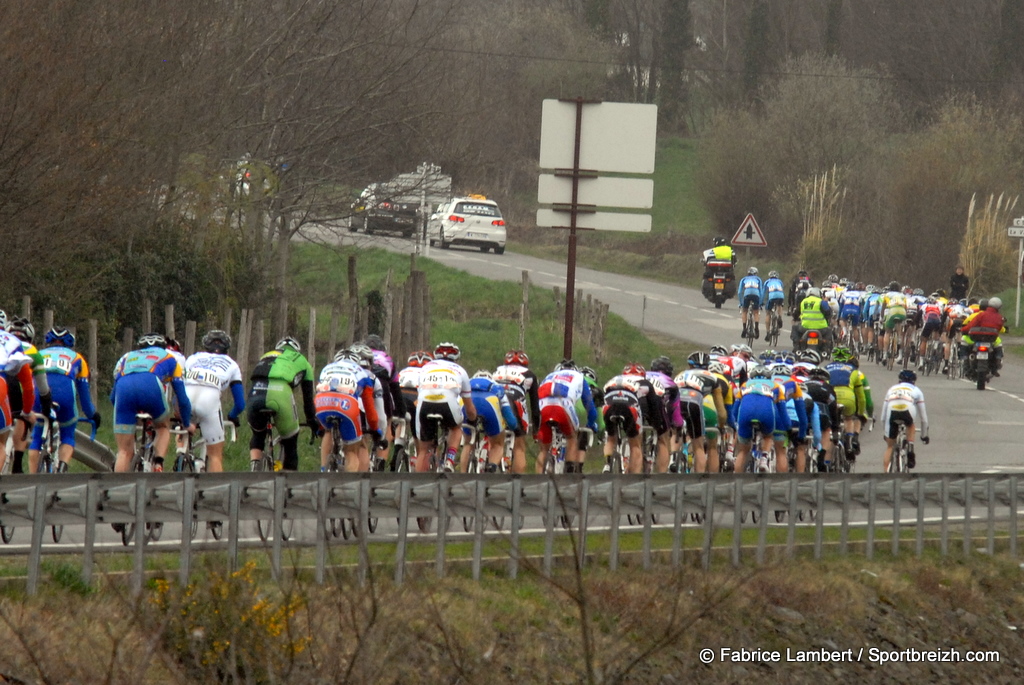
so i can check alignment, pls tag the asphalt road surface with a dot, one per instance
(971, 431)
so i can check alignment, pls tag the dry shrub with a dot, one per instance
(984, 249)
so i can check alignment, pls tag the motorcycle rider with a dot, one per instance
(985, 326)
(720, 256)
(814, 315)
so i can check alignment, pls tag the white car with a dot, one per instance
(473, 220)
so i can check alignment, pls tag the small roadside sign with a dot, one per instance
(1018, 222)
(749, 234)
(1015, 231)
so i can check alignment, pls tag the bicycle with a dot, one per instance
(774, 325)
(437, 464)
(271, 460)
(399, 462)
(620, 454)
(555, 461)
(193, 460)
(478, 442)
(142, 462)
(751, 325)
(49, 451)
(900, 450)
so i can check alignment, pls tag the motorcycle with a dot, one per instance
(718, 286)
(982, 362)
(815, 339)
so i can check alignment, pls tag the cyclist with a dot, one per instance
(495, 414)
(660, 375)
(931, 314)
(68, 377)
(383, 367)
(22, 329)
(894, 317)
(713, 389)
(272, 397)
(626, 396)
(796, 411)
(956, 313)
(761, 400)
(208, 373)
(521, 387)
(558, 393)
(750, 290)
(773, 295)
(408, 382)
(597, 393)
(346, 393)
(139, 380)
(904, 402)
(16, 365)
(445, 391)
(848, 384)
(818, 387)
(850, 311)
(870, 312)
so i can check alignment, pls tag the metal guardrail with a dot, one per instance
(711, 503)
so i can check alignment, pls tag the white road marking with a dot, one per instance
(1001, 423)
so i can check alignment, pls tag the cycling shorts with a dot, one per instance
(206, 411)
(850, 313)
(825, 419)
(752, 301)
(693, 417)
(895, 416)
(138, 393)
(894, 316)
(776, 303)
(755, 408)
(931, 326)
(273, 397)
(488, 412)
(626, 412)
(65, 402)
(846, 397)
(426, 428)
(5, 407)
(341, 408)
(564, 416)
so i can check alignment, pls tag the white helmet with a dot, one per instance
(995, 303)
(814, 292)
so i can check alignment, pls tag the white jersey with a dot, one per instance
(409, 377)
(443, 381)
(350, 378)
(514, 374)
(211, 370)
(852, 298)
(12, 355)
(909, 398)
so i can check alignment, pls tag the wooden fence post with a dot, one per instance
(147, 316)
(226, 320)
(127, 340)
(26, 306)
(94, 347)
(311, 340)
(353, 301)
(257, 352)
(47, 320)
(242, 342)
(169, 321)
(524, 310)
(332, 335)
(189, 346)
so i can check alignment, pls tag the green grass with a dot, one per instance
(677, 208)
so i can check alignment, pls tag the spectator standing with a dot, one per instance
(958, 284)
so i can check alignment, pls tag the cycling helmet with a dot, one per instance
(719, 368)
(566, 365)
(908, 376)
(788, 358)
(894, 286)
(781, 370)
(151, 340)
(348, 355)
(662, 364)
(288, 341)
(718, 351)
(173, 344)
(844, 282)
(820, 375)
(752, 271)
(375, 342)
(447, 350)
(517, 357)
(832, 278)
(589, 373)
(812, 357)
(365, 354)
(907, 290)
(60, 336)
(802, 370)
(826, 283)
(719, 241)
(982, 304)
(801, 272)
(995, 303)
(871, 289)
(698, 360)
(940, 293)
(767, 357)
(760, 371)
(918, 291)
(813, 292)
(854, 361)
(3, 319)
(419, 358)
(484, 373)
(841, 354)
(21, 328)
(859, 285)
(745, 349)
(773, 274)
(216, 341)
(931, 299)
(634, 369)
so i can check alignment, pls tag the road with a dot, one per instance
(971, 430)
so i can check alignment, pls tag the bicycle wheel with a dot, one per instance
(46, 465)
(6, 533)
(264, 527)
(137, 465)
(184, 463)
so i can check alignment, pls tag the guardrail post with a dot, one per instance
(791, 528)
(819, 521)
(613, 549)
(141, 535)
(581, 543)
(188, 496)
(92, 489)
(677, 526)
(709, 523)
(1013, 515)
(762, 523)
(234, 499)
(919, 541)
(442, 524)
(844, 522)
(478, 526)
(38, 528)
(968, 496)
(990, 545)
(897, 512)
(944, 526)
(549, 520)
(323, 489)
(364, 528)
(403, 530)
(737, 522)
(871, 520)
(648, 496)
(277, 530)
(513, 553)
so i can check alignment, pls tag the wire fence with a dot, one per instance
(727, 512)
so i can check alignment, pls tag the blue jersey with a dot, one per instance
(488, 396)
(774, 289)
(749, 286)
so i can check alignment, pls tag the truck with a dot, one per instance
(401, 204)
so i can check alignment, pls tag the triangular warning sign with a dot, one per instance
(749, 234)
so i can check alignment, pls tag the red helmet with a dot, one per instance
(517, 357)
(419, 358)
(634, 369)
